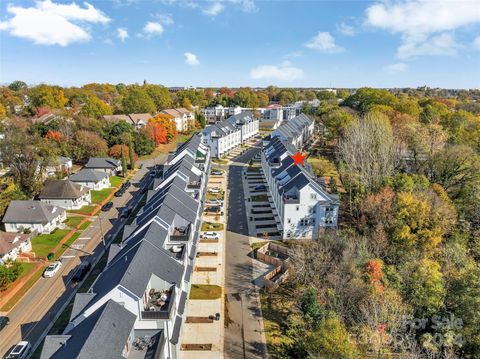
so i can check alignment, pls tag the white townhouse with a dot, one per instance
(215, 114)
(222, 137)
(296, 131)
(141, 296)
(35, 216)
(247, 123)
(303, 205)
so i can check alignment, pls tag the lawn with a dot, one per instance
(73, 221)
(67, 244)
(44, 243)
(260, 198)
(101, 195)
(86, 210)
(9, 305)
(116, 181)
(85, 225)
(205, 291)
(210, 226)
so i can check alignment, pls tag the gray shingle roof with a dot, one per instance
(31, 212)
(102, 162)
(103, 334)
(88, 175)
(62, 189)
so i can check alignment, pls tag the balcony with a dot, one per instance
(194, 185)
(200, 160)
(291, 199)
(160, 304)
(180, 234)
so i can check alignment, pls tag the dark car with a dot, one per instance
(144, 190)
(4, 322)
(119, 193)
(127, 184)
(81, 272)
(213, 209)
(107, 206)
(216, 172)
(125, 212)
(260, 187)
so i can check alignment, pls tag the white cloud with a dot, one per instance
(213, 10)
(346, 29)
(293, 55)
(49, 23)
(152, 28)
(395, 68)
(165, 19)
(122, 33)
(476, 43)
(425, 26)
(191, 59)
(324, 42)
(282, 72)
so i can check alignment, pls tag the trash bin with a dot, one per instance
(50, 256)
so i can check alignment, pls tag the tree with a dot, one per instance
(118, 132)
(3, 112)
(200, 117)
(160, 96)
(131, 155)
(88, 144)
(9, 191)
(167, 122)
(157, 133)
(94, 107)
(336, 120)
(116, 151)
(137, 100)
(326, 95)
(364, 98)
(245, 97)
(262, 99)
(9, 272)
(144, 145)
(124, 164)
(17, 85)
(287, 96)
(48, 96)
(54, 135)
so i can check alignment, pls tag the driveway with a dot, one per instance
(33, 314)
(244, 337)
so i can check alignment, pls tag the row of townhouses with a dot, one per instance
(184, 119)
(136, 306)
(303, 205)
(224, 136)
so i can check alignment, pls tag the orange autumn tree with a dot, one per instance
(116, 151)
(374, 269)
(168, 123)
(54, 135)
(157, 133)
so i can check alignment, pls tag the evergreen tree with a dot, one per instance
(131, 153)
(124, 164)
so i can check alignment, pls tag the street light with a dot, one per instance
(101, 229)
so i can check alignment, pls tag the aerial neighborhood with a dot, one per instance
(161, 230)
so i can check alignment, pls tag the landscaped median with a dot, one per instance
(205, 291)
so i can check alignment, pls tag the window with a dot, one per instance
(289, 220)
(298, 208)
(313, 196)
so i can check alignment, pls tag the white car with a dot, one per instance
(215, 202)
(213, 190)
(210, 235)
(52, 269)
(20, 351)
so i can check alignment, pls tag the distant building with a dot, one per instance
(184, 119)
(137, 120)
(90, 178)
(35, 216)
(12, 244)
(65, 194)
(110, 166)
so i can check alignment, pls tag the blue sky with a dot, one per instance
(405, 43)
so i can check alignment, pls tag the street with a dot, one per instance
(33, 315)
(244, 327)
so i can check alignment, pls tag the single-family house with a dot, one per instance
(90, 178)
(110, 166)
(12, 244)
(35, 216)
(65, 194)
(139, 120)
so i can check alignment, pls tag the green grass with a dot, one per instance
(73, 221)
(67, 244)
(9, 305)
(205, 291)
(44, 243)
(260, 198)
(116, 181)
(85, 210)
(85, 225)
(100, 195)
(210, 226)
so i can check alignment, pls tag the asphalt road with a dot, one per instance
(243, 337)
(32, 316)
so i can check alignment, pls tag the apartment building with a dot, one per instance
(220, 113)
(136, 306)
(224, 136)
(296, 131)
(303, 205)
(184, 119)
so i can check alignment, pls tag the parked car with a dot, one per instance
(213, 209)
(52, 269)
(216, 202)
(214, 190)
(260, 187)
(216, 172)
(119, 193)
(4, 322)
(126, 184)
(209, 235)
(107, 206)
(81, 272)
(125, 212)
(153, 173)
(144, 190)
(20, 351)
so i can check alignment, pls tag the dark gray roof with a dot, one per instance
(182, 302)
(176, 330)
(62, 189)
(31, 212)
(88, 175)
(80, 302)
(103, 334)
(103, 162)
